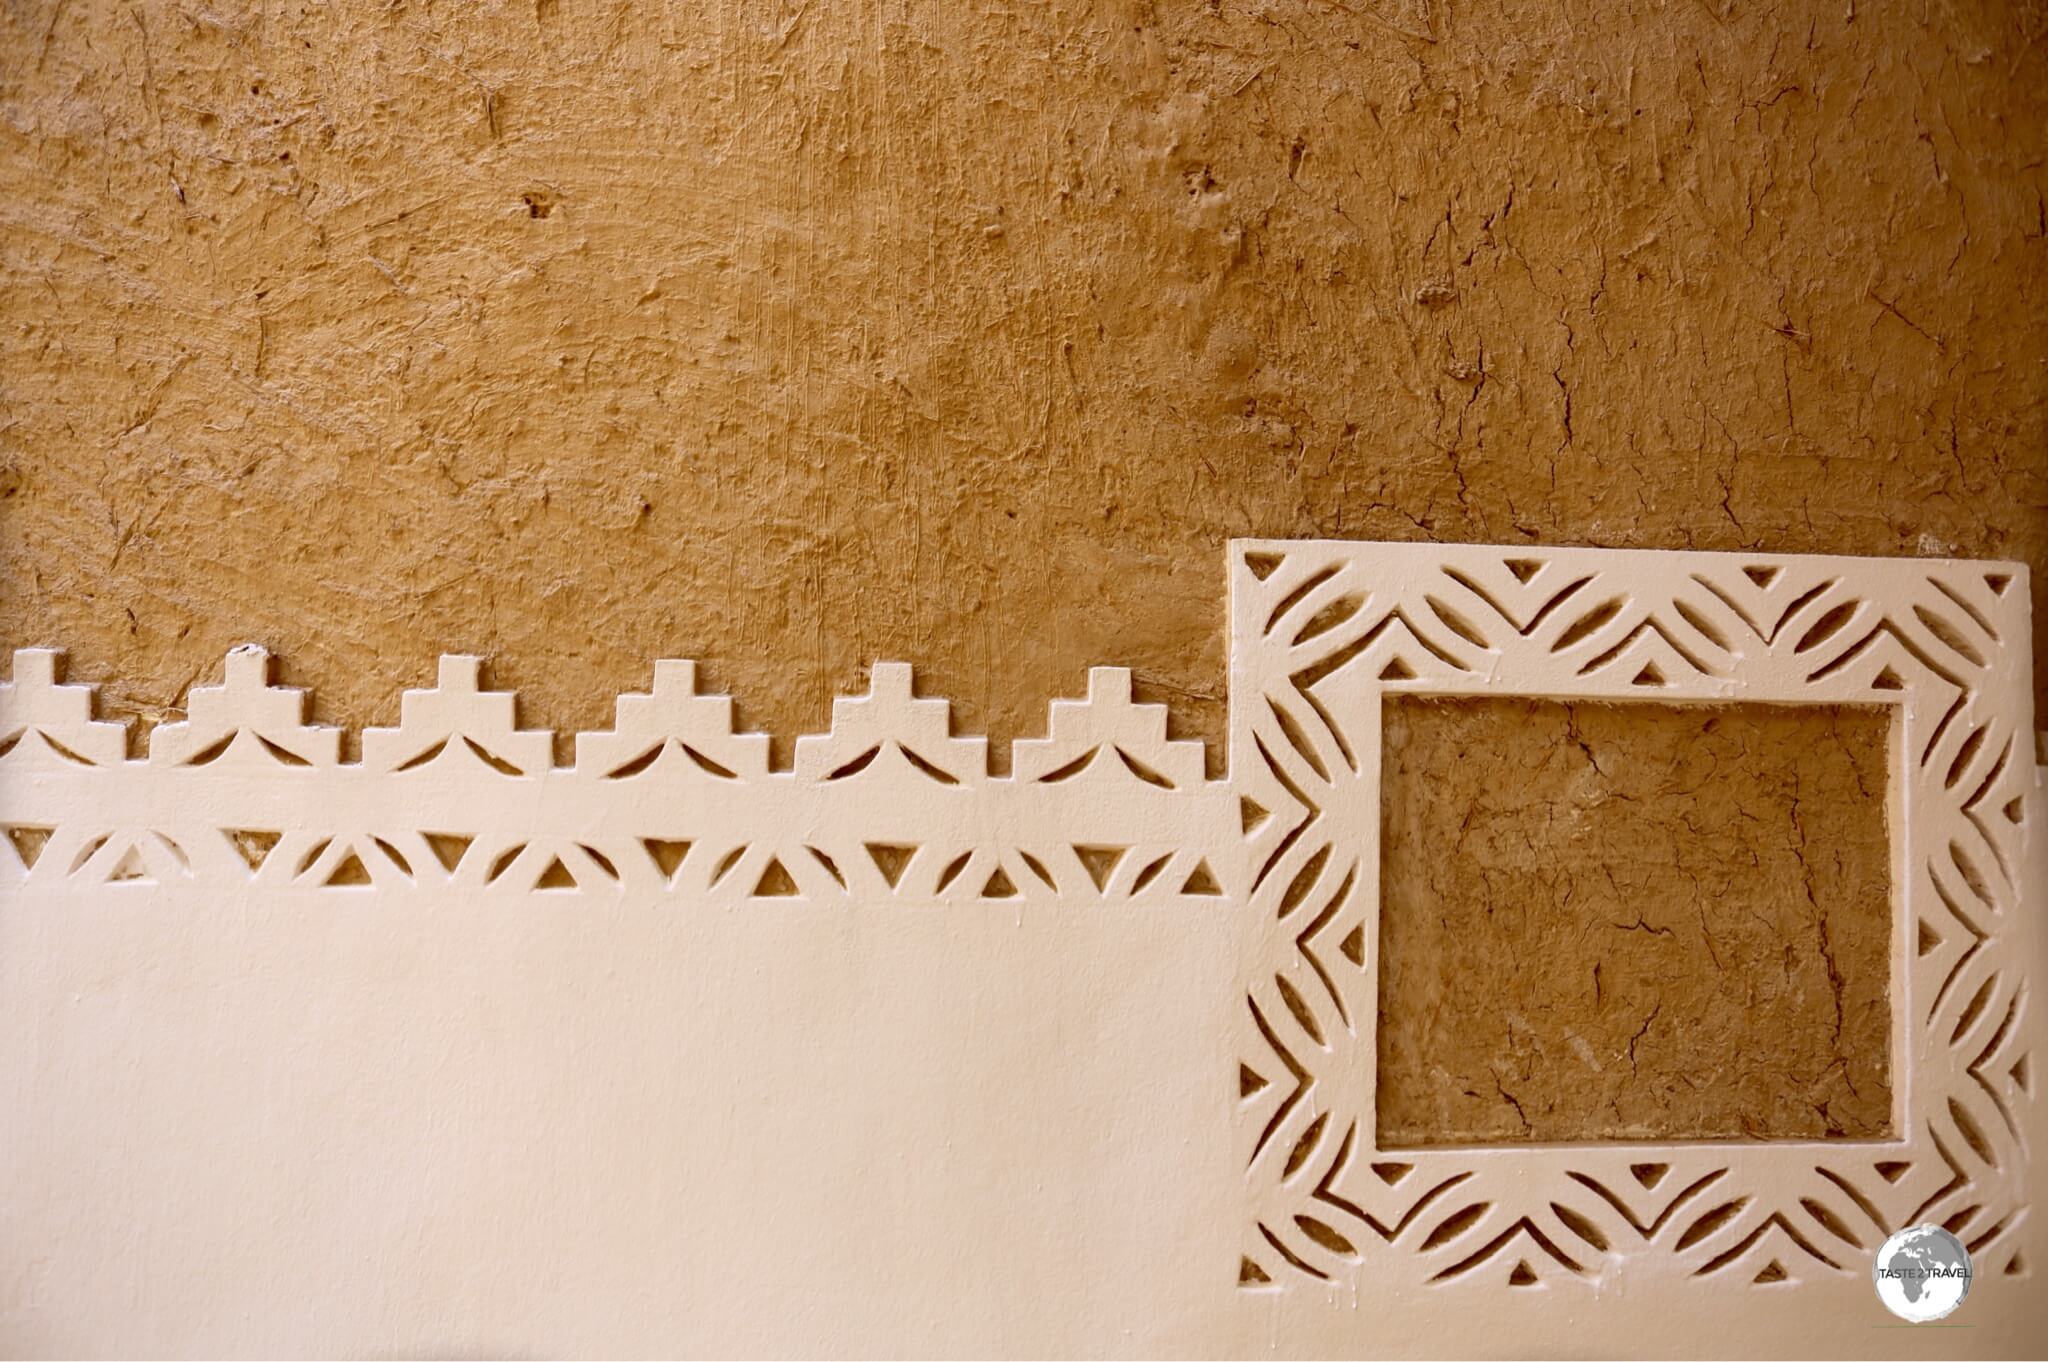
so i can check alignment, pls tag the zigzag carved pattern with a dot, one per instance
(1321, 630)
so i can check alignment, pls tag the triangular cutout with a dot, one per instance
(1397, 670)
(448, 847)
(1648, 676)
(1930, 940)
(1522, 1275)
(999, 886)
(1249, 1081)
(130, 869)
(1353, 946)
(1251, 812)
(350, 872)
(1100, 863)
(1649, 1174)
(2016, 1266)
(556, 876)
(29, 843)
(667, 855)
(775, 882)
(253, 846)
(1201, 880)
(1887, 679)
(2022, 1072)
(1762, 574)
(1998, 582)
(1263, 565)
(1391, 1173)
(1250, 1273)
(1891, 1170)
(1524, 568)
(1773, 1271)
(892, 859)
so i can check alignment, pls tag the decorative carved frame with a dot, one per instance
(1322, 631)
(671, 809)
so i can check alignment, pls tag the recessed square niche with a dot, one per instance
(1633, 922)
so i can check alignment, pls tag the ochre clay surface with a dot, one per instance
(1633, 922)
(791, 336)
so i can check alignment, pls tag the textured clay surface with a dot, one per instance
(790, 336)
(1633, 922)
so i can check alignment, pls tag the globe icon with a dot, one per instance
(1922, 1273)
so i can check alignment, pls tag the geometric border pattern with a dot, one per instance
(670, 804)
(1322, 631)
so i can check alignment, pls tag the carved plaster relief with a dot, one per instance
(1230, 927)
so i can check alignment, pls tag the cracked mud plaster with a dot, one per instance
(1604, 922)
(789, 336)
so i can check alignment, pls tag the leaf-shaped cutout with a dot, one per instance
(1589, 623)
(391, 854)
(1305, 1147)
(85, 853)
(831, 866)
(942, 776)
(856, 766)
(1329, 617)
(1037, 867)
(1149, 873)
(1579, 1225)
(1070, 769)
(490, 758)
(891, 858)
(504, 862)
(448, 847)
(1709, 1222)
(1144, 772)
(214, 752)
(1100, 863)
(727, 862)
(555, 876)
(1454, 1225)
(348, 872)
(1325, 1236)
(775, 882)
(602, 861)
(306, 861)
(1201, 880)
(666, 854)
(952, 871)
(639, 763)
(28, 843)
(422, 758)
